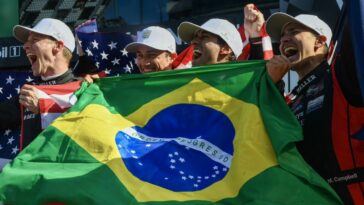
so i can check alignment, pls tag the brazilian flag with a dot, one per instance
(220, 134)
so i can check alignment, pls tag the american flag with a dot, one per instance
(107, 50)
(10, 84)
(54, 100)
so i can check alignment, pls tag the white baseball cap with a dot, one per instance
(220, 27)
(155, 37)
(49, 27)
(279, 20)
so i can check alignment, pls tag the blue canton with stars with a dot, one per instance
(184, 147)
(106, 51)
(10, 84)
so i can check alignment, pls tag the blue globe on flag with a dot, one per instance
(185, 147)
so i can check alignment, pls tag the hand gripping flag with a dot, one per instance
(220, 134)
(54, 100)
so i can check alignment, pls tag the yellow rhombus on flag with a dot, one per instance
(220, 134)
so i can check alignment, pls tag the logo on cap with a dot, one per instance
(320, 29)
(58, 35)
(146, 33)
(225, 35)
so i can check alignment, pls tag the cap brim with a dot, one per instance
(276, 22)
(133, 47)
(187, 30)
(21, 33)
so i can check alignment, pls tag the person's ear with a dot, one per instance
(59, 45)
(225, 49)
(320, 42)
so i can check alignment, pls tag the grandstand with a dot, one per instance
(71, 12)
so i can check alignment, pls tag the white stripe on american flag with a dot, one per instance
(3, 162)
(48, 118)
(64, 101)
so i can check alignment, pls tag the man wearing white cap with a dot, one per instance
(215, 41)
(48, 46)
(327, 100)
(155, 49)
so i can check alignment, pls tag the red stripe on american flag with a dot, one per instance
(60, 89)
(184, 58)
(48, 105)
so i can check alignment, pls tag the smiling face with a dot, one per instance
(298, 42)
(39, 50)
(151, 60)
(206, 48)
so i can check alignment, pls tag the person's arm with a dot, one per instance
(253, 20)
(345, 71)
(254, 28)
(10, 114)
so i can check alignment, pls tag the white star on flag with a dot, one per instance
(7, 132)
(124, 52)
(9, 97)
(95, 44)
(115, 61)
(18, 89)
(15, 150)
(127, 68)
(89, 53)
(29, 79)
(104, 55)
(1, 90)
(10, 140)
(112, 45)
(9, 80)
(107, 71)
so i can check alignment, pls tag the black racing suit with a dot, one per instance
(10, 111)
(328, 104)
